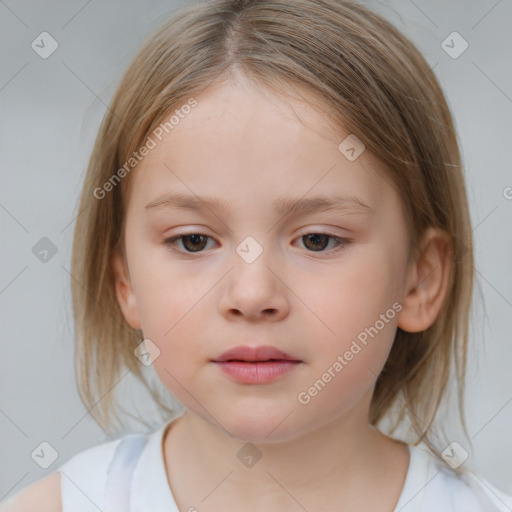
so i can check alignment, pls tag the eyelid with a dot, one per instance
(170, 242)
(341, 242)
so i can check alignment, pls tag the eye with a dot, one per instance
(317, 242)
(193, 242)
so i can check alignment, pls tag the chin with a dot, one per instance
(260, 427)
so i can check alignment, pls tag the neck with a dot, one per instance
(335, 463)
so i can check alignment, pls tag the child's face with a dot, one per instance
(306, 296)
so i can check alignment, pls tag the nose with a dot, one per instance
(255, 291)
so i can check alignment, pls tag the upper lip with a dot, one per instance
(261, 353)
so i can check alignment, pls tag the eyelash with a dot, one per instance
(340, 241)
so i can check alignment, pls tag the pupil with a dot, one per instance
(195, 240)
(317, 239)
(314, 241)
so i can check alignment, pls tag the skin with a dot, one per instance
(248, 146)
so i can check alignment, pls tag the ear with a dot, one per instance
(427, 282)
(124, 292)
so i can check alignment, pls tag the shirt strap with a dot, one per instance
(120, 472)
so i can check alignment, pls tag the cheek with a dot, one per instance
(352, 314)
(352, 296)
(341, 373)
(176, 326)
(172, 316)
(167, 293)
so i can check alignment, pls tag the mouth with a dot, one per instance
(255, 362)
(257, 372)
(261, 354)
(256, 365)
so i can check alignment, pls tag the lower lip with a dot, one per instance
(257, 373)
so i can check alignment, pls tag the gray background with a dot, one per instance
(51, 109)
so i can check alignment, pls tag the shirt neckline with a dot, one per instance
(151, 489)
(416, 479)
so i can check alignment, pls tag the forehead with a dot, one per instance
(246, 143)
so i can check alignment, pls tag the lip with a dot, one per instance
(245, 372)
(254, 354)
(256, 365)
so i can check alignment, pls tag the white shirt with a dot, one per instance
(430, 486)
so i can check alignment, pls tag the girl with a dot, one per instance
(274, 218)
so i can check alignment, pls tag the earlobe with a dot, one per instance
(124, 292)
(427, 282)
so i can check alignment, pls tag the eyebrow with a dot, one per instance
(282, 205)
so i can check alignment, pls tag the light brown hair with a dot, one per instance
(359, 70)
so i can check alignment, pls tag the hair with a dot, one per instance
(362, 73)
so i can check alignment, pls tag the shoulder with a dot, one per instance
(464, 491)
(471, 492)
(96, 457)
(77, 483)
(42, 495)
(84, 476)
